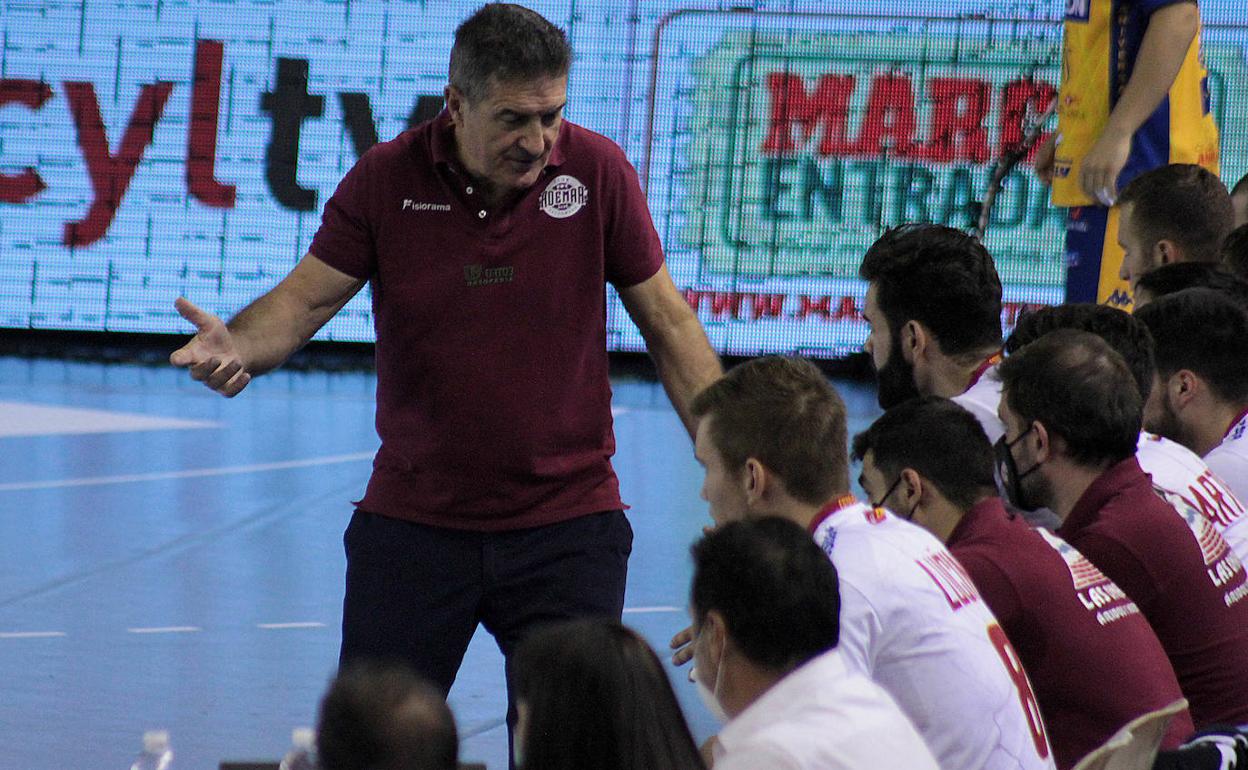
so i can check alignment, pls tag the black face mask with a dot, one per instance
(895, 380)
(1010, 477)
(909, 516)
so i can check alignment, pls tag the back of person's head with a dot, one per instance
(782, 412)
(1081, 390)
(1122, 331)
(1177, 276)
(938, 439)
(503, 42)
(1204, 332)
(593, 694)
(1235, 252)
(774, 587)
(940, 277)
(1182, 203)
(380, 717)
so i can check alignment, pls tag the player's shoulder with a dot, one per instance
(584, 148)
(1162, 459)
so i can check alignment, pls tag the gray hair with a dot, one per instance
(502, 41)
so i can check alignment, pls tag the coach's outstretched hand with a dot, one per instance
(211, 355)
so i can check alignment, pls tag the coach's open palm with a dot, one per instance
(211, 355)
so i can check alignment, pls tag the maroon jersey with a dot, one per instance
(1093, 661)
(1175, 566)
(493, 404)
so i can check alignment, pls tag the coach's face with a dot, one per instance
(723, 488)
(505, 138)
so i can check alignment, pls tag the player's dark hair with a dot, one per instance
(1183, 203)
(505, 42)
(384, 717)
(597, 696)
(940, 440)
(1205, 332)
(782, 412)
(1122, 331)
(940, 277)
(1079, 388)
(1235, 252)
(1177, 276)
(775, 588)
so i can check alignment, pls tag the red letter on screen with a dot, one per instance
(201, 145)
(110, 175)
(17, 188)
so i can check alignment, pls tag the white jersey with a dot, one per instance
(1179, 470)
(1229, 460)
(981, 400)
(912, 620)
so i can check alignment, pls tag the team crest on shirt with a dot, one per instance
(563, 197)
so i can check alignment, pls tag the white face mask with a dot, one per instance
(709, 695)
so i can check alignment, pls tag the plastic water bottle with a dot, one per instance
(302, 754)
(157, 755)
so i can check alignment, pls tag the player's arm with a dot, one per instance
(265, 333)
(1166, 41)
(675, 338)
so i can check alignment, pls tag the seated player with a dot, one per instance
(1175, 213)
(765, 605)
(1171, 465)
(1093, 661)
(1073, 418)
(771, 435)
(1178, 276)
(934, 307)
(1200, 398)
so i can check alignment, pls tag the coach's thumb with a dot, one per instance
(190, 312)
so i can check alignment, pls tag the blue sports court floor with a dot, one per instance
(172, 559)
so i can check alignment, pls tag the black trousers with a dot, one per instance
(416, 593)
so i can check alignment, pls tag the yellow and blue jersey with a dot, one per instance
(1101, 42)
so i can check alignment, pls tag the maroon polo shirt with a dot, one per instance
(1183, 576)
(1093, 661)
(493, 404)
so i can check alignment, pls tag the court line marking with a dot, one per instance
(651, 610)
(276, 626)
(228, 470)
(165, 630)
(31, 634)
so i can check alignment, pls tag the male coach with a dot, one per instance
(488, 235)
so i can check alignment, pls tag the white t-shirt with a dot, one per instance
(1174, 467)
(981, 400)
(1179, 470)
(822, 716)
(912, 621)
(1229, 460)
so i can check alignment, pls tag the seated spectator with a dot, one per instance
(1072, 418)
(1239, 201)
(934, 307)
(1093, 661)
(1176, 213)
(385, 718)
(1200, 398)
(1178, 276)
(1235, 252)
(771, 435)
(765, 606)
(1172, 466)
(591, 693)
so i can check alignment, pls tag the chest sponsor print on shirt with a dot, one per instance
(412, 205)
(563, 197)
(1097, 593)
(1222, 566)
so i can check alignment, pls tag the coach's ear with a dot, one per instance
(915, 341)
(1166, 252)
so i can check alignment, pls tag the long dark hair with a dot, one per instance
(597, 696)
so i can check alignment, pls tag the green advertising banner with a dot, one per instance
(805, 146)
